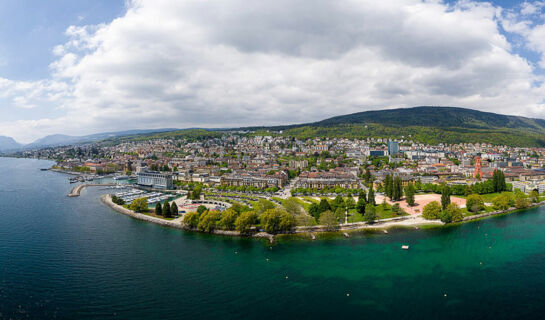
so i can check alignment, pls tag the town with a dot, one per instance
(318, 182)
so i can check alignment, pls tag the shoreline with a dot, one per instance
(381, 225)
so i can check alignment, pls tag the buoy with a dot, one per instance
(236, 252)
(267, 259)
(348, 294)
(405, 247)
(286, 277)
(445, 294)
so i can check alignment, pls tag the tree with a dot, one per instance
(350, 203)
(166, 210)
(158, 209)
(388, 186)
(292, 206)
(367, 176)
(118, 200)
(452, 213)
(208, 221)
(174, 209)
(201, 209)
(409, 194)
(370, 214)
(191, 219)
(502, 202)
(324, 205)
(196, 193)
(245, 221)
(228, 218)
(445, 197)
(314, 210)
(371, 196)
(275, 220)
(329, 220)
(534, 196)
(264, 205)
(340, 213)
(360, 205)
(397, 189)
(337, 203)
(521, 200)
(139, 205)
(396, 209)
(431, 211)
(474, 203)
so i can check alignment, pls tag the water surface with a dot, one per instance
(74, 258)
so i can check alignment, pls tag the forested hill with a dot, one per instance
(429, 125)
(437, 117)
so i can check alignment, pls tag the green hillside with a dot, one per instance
(428, 125)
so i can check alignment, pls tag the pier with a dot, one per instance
(76, 191)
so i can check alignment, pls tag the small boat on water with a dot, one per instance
(405, 247)
(121, 177)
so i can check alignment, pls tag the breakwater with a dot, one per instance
(76, 191)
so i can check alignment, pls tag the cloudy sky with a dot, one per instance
(87, 66)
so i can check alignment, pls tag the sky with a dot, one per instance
(88, 66)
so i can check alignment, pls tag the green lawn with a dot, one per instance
(489, 196)
(310, 199)
(382, 213)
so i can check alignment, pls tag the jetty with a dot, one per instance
(76, 191)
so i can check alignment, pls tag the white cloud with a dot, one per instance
(233, 62)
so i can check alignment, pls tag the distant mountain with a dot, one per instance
(7, 143)
(428, 125)
(61, 139)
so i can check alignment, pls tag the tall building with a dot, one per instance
(155, 180)
(393, 148)
(478, 172)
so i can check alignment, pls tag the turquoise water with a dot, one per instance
(74, 258)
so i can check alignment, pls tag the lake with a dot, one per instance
(75, 258)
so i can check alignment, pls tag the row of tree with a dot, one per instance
(240, 218)
(166, 210)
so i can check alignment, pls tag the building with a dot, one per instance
(393, 148)
(320, 180)
(277, 180)
(155, 180)
(298, 164)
